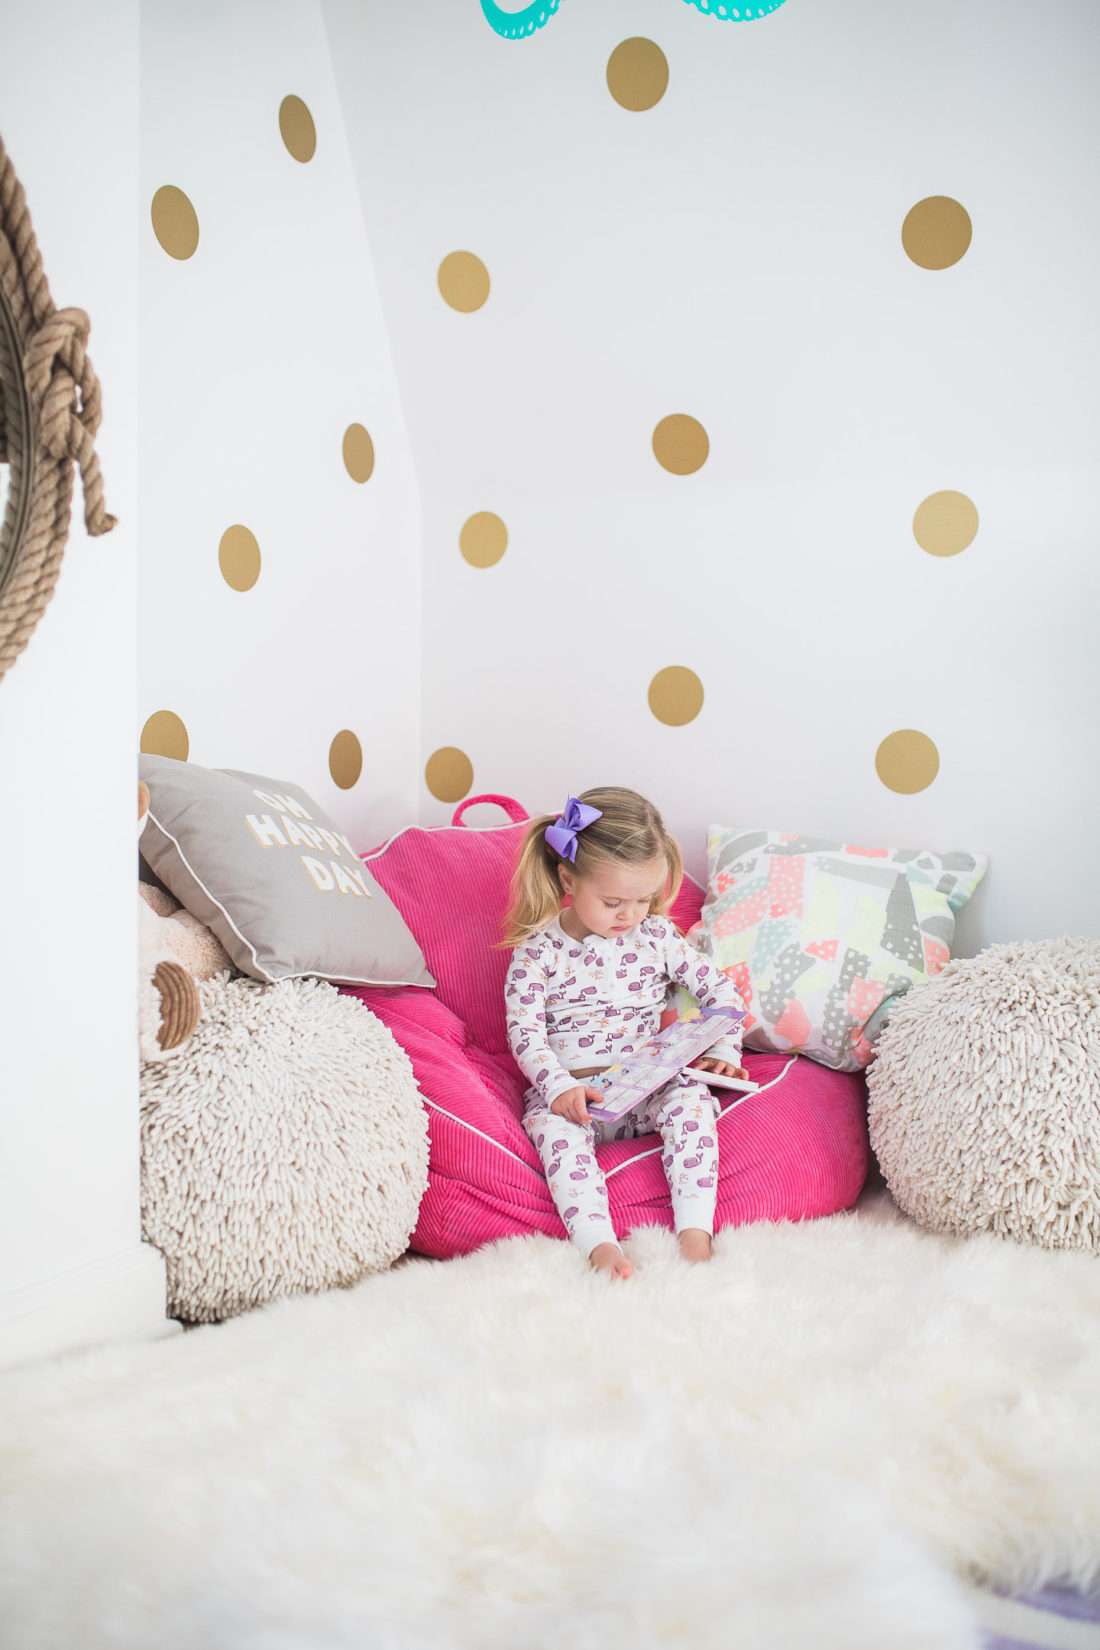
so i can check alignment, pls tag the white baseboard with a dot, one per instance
(120, 1297)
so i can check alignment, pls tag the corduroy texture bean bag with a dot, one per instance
(797, 1149)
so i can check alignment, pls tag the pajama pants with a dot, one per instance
(684, 1113)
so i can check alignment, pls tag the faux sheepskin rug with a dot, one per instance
(792, 1448)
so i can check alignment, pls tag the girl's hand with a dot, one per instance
(722, 1067)
(573, 1104)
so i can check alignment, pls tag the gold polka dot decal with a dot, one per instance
(358, 453)
(680, 444)
(239, 558)
(175, 222)
(907, 761)
(936, 232)
(637, 73)
(945, 524)
(676, 695)
(463, 281)
(164, 734)
(449, 774)
(345, 759)
(483, 539)
(297, 128)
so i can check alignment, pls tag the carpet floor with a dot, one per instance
(821, 1439)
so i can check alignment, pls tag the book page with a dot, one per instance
(628, 1082)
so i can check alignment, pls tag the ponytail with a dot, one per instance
(675, 864)
(629, 831)
(536, 892)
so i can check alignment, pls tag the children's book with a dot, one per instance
(627, 1083)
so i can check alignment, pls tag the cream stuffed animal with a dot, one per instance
(175, 950)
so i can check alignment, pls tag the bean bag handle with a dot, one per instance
(516, 812)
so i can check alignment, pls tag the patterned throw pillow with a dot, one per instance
(817, 934)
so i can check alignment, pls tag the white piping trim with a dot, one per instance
(508, 1152)
(265, 977)
(778, 1078)
(654, 1150)
(164, 831)
(461, 1121)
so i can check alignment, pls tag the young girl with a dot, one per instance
(586, 986)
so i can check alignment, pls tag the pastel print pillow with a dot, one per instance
(816, 934)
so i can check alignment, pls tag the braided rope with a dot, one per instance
(51, 410)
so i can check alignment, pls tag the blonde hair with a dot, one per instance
(630, 831)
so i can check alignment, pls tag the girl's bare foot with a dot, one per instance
(608, 1257)
(695, 1244)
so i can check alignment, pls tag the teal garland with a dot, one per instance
(514, 25)
(727, 12)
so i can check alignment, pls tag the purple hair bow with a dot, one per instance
(562, 835)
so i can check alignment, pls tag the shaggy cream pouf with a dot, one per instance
(285, 1149)
(985, 1097)
(791, 1448)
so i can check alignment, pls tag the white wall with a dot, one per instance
(257, 353)
(255, 356)
(735, 253)
(69, 1212)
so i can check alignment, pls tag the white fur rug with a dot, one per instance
(790, 1449)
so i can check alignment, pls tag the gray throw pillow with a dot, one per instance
(257, 861)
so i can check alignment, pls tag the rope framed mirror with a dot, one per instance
(50, 410)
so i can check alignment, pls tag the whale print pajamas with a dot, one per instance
(574, 1004)
(684, 1113)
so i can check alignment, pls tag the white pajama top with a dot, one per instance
(577, 1003)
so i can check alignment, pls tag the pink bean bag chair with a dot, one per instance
(796, 1149)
